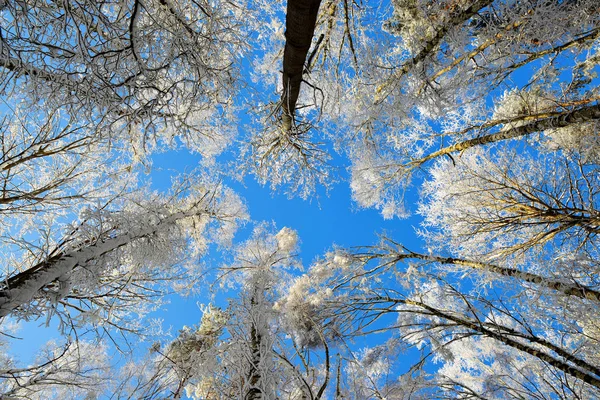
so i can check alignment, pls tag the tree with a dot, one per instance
(496, 206)
(530, 207)
(90, 91)
(300, 21)
(133, 70)
(242, 351)
(74, 369)
(489, 107)
(458, 57)
(117, 262)
(32, 144)
(284, 150)
(438, 79)
(443, 77)
(255, 359)
(530, 334)
(172, 371)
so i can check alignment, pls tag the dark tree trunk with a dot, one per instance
(254, 378)
(254, 375)
(299, 29)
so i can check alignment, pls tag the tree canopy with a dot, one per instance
(477, 121)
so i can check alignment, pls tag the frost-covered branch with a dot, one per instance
(389, 256)
(522, 342)
(457, 15)
(561, 120)
(164, 230)
(73, 370)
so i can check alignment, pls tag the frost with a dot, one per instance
(579, 138)
(287, 240)
(503, 204)
(371, 186)
(73, 370)
(341, 260)
(516, 104)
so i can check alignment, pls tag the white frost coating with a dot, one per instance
(496, 205)
(515, 103)
(579, 138)
(374, 184)
(233, 211)
(287, 240)
(23, 293)
(59, 371)
(341, 260)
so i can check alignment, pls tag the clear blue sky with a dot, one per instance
(322, 222)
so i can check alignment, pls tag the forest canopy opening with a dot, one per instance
(454, 255)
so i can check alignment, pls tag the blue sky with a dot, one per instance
(327, 220)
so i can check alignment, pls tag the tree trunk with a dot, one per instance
(567, 288)
(299, 29)
(24, 287)
(525, 342)
(254, 375)
(562, 120)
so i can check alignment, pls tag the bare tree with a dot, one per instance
(241, 351)
(153, 65)
(448, 87)
(512, 204)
